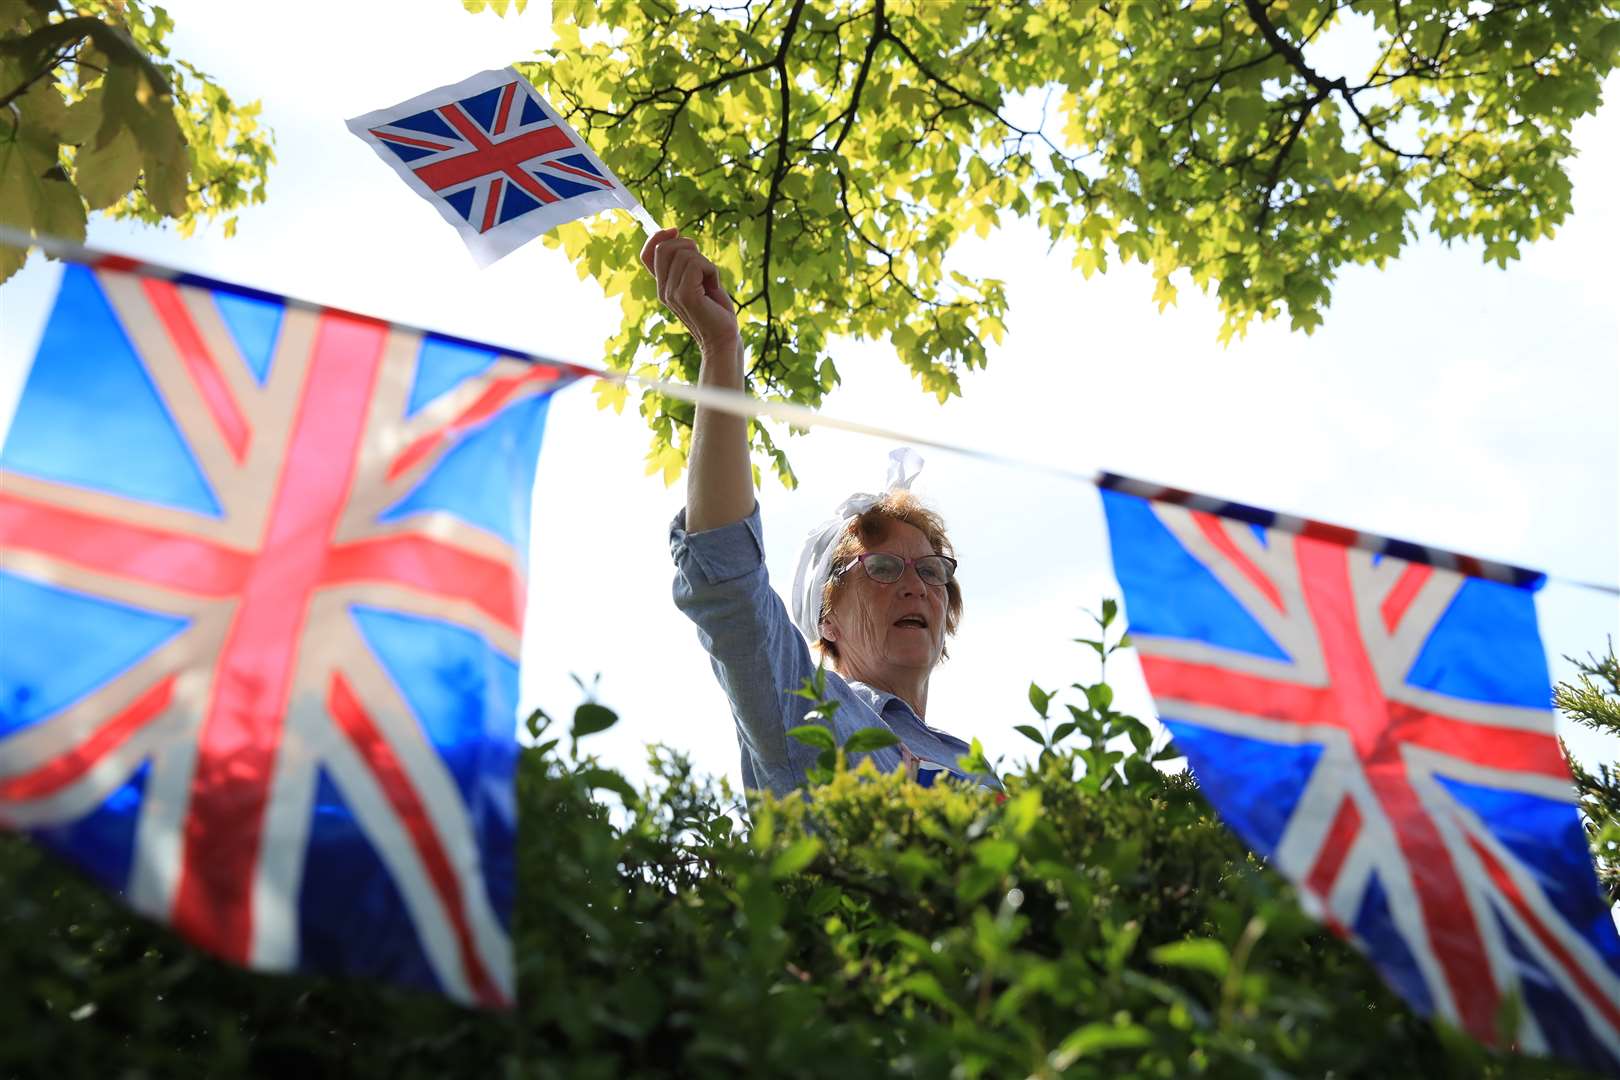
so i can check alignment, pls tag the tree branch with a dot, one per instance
(1274, 174)
(45, 69)
(978, 103)
(779, 62)
(1288, 50)
(880, 30)
(1323, 85)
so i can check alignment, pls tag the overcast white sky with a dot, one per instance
(1444, 401)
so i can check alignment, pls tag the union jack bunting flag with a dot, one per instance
(261, 591)
(1380, 731)
(494, 159)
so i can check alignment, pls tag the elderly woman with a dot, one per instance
(876, 592)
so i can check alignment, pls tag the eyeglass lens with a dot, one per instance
(885, 568)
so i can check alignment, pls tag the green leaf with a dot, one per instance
(83, 119)
(131, 101)
(1247, 110)
(974, 760)
(800, 854)
(1039, 698)
(167, 178)
(1022, 811)
(21, 183)
(997, 855)
(1110, 608)
(814, 687)
(1030, 732)
(536, 722)
(11, 260)
(1121, 942)
(868, 739)
(913, 867)
(46, 204)
(591, 718)
(1098, 1037)
(40, 115)
(923, 984)
(1141, 738)
(975, 881)
(824, 900)
(1200, 954)
(814, 735)
(1125, 860)
(610, 780)
(1101, 696)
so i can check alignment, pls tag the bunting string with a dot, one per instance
(743, 404)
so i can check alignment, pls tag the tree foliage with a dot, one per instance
(98, 115)
(830, 154)
(1086, 926)
(1593, 700)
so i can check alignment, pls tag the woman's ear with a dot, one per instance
(829, 628)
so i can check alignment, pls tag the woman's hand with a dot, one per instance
(689, 285)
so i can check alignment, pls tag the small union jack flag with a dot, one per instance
(494, 159)
(1380, 731)
(261, 591)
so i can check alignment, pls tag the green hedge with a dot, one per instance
(1085, 926)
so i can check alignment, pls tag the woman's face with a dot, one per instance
(896, 627)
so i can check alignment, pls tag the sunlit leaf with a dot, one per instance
(1203, 955)
(814, 735)
(868, 739)
(799, 855)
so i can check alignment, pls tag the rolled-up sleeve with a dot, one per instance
(758, 654)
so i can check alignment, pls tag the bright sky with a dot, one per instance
(1444, 401)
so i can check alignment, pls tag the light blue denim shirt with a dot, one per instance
(760, 658)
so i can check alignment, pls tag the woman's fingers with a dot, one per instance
(671, 273)
(712, 287)
(650, 248)
(665, 256)
(689, 286)
(685, 275)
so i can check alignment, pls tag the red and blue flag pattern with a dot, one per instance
(1380, 731)
(496, 161)
(261, 589)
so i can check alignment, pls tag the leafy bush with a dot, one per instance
(1592, 699)
(1082, 926)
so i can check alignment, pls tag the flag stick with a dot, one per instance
(639, 212)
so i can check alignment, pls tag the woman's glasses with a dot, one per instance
(882, 567)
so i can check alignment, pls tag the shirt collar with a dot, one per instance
(891, 706)
(877, 699)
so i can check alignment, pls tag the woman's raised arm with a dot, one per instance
(719, 482)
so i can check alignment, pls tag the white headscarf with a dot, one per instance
(815, 561)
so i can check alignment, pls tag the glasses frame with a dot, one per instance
(950, 565)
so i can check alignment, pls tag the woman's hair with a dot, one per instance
(869, 528)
